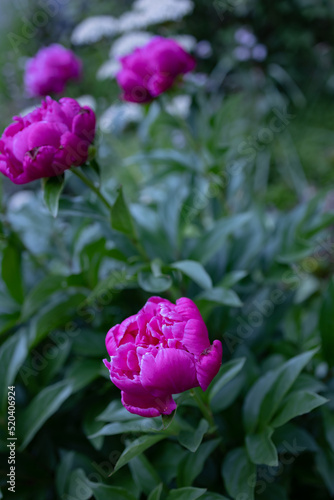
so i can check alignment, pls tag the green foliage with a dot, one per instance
(230, 205)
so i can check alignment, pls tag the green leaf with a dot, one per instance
(232, 278)
(228, 394)
(99, 490)
(261, 449)
(192, 439)
(54, 315)
(115, 412)
(328, 418)
(82, 374)
(221, 296)
(105, 492)
(295, 404)
(121, 218)
(214, 240)
(168, 458)
(186, 494)
(286, 375)
(326, 324)
(192, 465)
(138, 425)
(167, 420)
(42, 407)
(63, 472)
(52, 188)
(153, 284)
(265, 396)
(195, 271)
(210, 495)
(136, 447)
(78, 486)
(144, 474)
(324, 460)
(291, 434)
(40, 293)
(156, 493)
(226, 373)
(11, 272)
(239, 474)
(12, 355)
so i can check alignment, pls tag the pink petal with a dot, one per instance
(152, 305)
(208, 364)
(187, 309)
(148, 406)
(159, 83)
(195, 336)
(169, 372)
(44, 134)
(73, 151)
(38, 163)
(84, 124)
(111, 343)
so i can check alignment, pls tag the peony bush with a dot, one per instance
(166, 326)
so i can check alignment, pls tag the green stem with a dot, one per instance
(205, 409)
(96, 190)
(91, 185)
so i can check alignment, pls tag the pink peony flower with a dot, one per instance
(151, 70)
(47, 141)
(50, 69)
(162, 350)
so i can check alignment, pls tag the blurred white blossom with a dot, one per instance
(93, 29)
(259, 52)
(245, 37)
(179, 106)
(87, 100)
(187, 42)
(197, 79)
(242, 53)
(203, 49)
(149, 12)
(119, 115)
(128, 42)
(20, 200)
(109, 69)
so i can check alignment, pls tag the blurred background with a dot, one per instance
(255, 59)
(231, 170)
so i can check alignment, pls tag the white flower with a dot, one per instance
(149, 12)
(187, 42)
(242, 53)
(20, 200)
(93, 29)
(109, 69)
(126, 43)
(118, 116)
(245, 37)
(259, 52)
(179, 106)
(87, 100)
(203, 49)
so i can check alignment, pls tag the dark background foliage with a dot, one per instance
(230, 204)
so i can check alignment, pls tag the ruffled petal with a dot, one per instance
(84, 124)
(73, 151)
(133, 86)
(148, 406)
(38, 163)
(111, 343)
(170, 371)
(208, 364)
(195, 336)
(187, 309)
